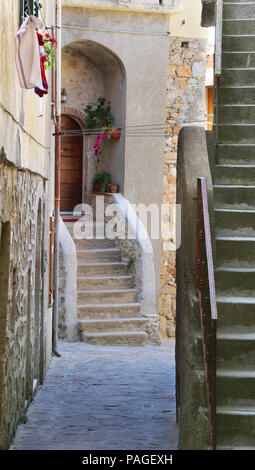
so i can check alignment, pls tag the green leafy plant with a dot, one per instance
(100, 118)
(131, 263)
(103, 178)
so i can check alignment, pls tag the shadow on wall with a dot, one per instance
(90, 70)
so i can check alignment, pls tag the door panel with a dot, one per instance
(71, 165)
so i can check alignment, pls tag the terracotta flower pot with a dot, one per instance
(115, 133)
(97, 187)
(114, 188)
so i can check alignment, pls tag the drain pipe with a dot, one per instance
(57, 176)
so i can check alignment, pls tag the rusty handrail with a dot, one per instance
(205, 287)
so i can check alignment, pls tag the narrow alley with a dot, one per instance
(102, 398)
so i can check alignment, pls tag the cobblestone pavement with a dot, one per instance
(104, 398)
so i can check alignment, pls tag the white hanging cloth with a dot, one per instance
(27, 55)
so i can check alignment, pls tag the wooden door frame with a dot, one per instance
(80, 117)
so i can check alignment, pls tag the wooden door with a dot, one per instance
(71, 166)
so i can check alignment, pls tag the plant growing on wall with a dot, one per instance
(131, 263)
(101, 119)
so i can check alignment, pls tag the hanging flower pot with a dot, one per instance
(115, 132)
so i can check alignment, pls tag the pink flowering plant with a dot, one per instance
(100, 118)
(101, 136)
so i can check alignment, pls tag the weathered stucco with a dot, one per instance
(137, 5)
(192, 411)
(187, 24)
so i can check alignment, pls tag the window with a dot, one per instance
(28, 7)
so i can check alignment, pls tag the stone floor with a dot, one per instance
(104, 398)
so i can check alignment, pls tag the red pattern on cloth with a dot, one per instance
(43, 59)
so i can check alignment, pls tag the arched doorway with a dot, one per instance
(71, 187)
(96, 72)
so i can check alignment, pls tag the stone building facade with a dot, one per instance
(101, 59)
(26, 204)
(185, 106)
(107, 50)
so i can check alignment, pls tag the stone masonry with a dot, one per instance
(185, 106)
(23, 266)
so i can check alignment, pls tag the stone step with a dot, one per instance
(99, 255)
(238, 10)
(94, 311)
(237, 95)
(235, 351)
(233, 386)
(234, 174)
(237, 154)
(238, 282)
(93, 243)
(235, 251)
(236, 423)
(127, 338)
(235, 312)
(238, 42)
(99, 269)
(246, 26)
(237, 134)
(105, 282)
(77, 227)
(106, 296)
(237, 114)
(238, 76)
(225, 445)
(230, 222)
(235, 197)
(112, 324)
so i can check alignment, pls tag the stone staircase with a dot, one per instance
(234, 190)
(108, 311)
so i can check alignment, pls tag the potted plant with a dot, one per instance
(112, 188)
(101, 119)
(115, 132)
(101, 180)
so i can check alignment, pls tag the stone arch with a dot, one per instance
(89, 62)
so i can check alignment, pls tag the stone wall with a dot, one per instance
(185, 105)
(24, 313)
(82, 81)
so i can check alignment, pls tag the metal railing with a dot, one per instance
(218, 70)
(205, 288)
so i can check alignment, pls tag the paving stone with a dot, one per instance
(104, 398)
